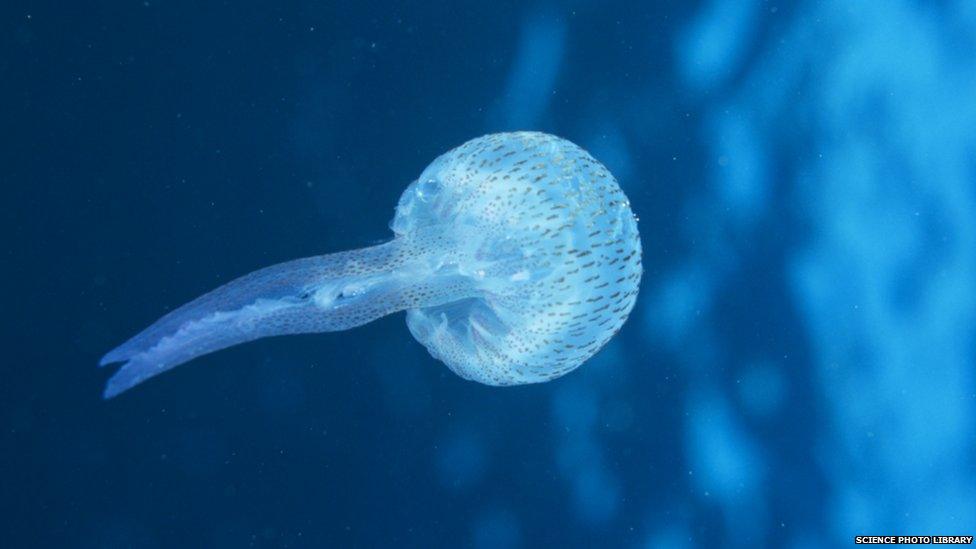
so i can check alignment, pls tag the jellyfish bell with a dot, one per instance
(551, 246)
(516, 257)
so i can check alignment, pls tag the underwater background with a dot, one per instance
(798, 370)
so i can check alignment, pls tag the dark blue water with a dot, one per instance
(799, 368)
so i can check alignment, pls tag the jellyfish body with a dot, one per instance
(516, 257)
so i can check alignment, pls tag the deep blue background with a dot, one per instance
(799, 368)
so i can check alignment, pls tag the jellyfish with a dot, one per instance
(516, 257)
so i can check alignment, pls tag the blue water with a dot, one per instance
(800, 367)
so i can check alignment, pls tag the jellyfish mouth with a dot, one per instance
(471, 317)
(469, 336)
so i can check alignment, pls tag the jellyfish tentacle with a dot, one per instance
(315, 294)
